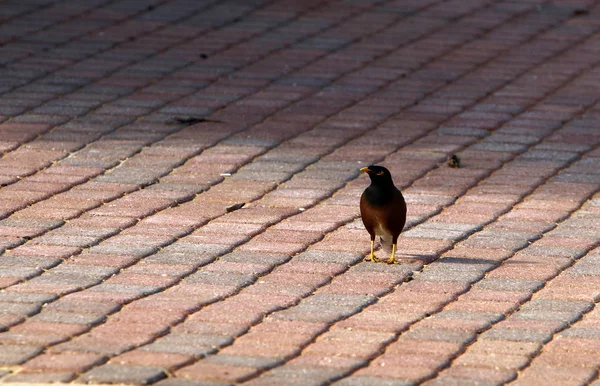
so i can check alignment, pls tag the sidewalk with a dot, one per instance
(128, 129)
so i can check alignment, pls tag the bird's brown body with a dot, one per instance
(383, 210)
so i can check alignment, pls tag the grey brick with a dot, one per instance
(258, 257)
(558, 305)
(31, 222)
(73, 281)
(29, 261)
(23, 297)
(365, 380)
(190, 382)
(517, 335)
(112, 373)
(292, 375)
(350, 302)
(513, 244)
(399, 269)
(419, 232)
(197, 351)
(571, 253)
(12, 355)
(203, 249)
(123, 249)
(311, 315)
(20, 272)
(85, 270)
(451, 381)
(20, 308)
(140, 290)
(582, 332)
(222, 278)
(191, 344)
(329, 257)
(40, 378)
(241, 360)
(442, 274)
(464, 264)
(507, 284)
(566, 317)
(439, 334)
(469, 315)
(83, 306)
(585, 269)
(163, 257)
(468, 131)
(69, 317)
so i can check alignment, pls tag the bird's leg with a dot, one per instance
(392, 259)
(372, 255)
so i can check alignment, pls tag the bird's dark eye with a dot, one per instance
(380, 173)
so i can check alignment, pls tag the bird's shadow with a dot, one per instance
(412, 258)
(424, 259)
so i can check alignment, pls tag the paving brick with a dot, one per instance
(439, 334)
(13, 355)
(509, 284)
(480, 373)
(54, 328)
(69, 318)
(190, 382)
(216, 371)
(111, 373)
(164, 360)
(46, 377)
(517, 335)
(64, 362)
(502, 361)
(539, 374)
(359, 380)
(188, 344)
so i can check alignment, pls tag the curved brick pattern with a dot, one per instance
(122, 264)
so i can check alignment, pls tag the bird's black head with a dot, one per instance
(378, 174)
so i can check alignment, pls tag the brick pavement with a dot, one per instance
(122, 264)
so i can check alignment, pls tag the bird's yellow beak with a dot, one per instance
(365, 169)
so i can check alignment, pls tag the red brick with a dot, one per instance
(544, 375)
(564, 358)
(216, 371)
(480, 373)
(504, 347)
(262, 350)
(380, 321)
(165, 360)
(351, 349)
(142, 279)
(56, 362)
(56, 251)
(476, 294)
(63, 329)
(497, 361)
(413, 373)
(319, 360)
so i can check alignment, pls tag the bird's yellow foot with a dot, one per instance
(392, 259)
(372, 258)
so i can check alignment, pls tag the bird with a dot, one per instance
(453, 161)
(382, 210)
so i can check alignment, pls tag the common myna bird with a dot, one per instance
(383, 210)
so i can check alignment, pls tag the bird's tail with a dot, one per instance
(386, 244)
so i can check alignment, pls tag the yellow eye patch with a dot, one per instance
(380, 173)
